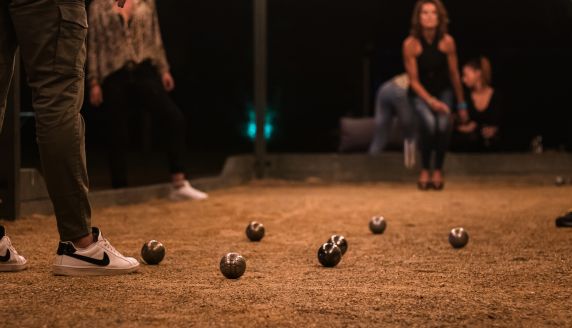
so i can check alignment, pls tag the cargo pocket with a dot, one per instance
(71, 49)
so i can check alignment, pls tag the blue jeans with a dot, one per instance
(434, 130)
(391, 101)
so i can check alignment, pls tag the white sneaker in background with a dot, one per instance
(186, 192)
(10, 261)
(412, 152)
(409, 153)
(98, 259)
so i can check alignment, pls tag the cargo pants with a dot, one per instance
(51, 35)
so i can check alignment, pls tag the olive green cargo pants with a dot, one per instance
(51, 35)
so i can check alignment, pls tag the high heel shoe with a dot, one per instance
(438, 186)
(423, 185)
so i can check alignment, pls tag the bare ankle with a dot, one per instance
(437, 175)
(178, 180)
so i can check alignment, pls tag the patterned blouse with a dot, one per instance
(112, 43)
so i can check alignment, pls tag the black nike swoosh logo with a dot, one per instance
(103, 262)
(6, 257)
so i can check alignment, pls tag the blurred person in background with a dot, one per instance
(430, 59)
(51, 36)
(392, 101)
(481, 132)
(128, 66)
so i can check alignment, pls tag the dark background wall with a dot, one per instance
(317, 49)
(316, 53)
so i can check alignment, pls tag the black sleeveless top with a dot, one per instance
(433, 67)
(490, 116)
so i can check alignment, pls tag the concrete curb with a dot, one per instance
(35, 200)
(358, 168)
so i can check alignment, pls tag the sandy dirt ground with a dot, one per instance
(515, 271)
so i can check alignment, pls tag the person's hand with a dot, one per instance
(168, 81)
(120, 3)
(489, 132)
(96, 95)
(467, 127)
(439, 106)
(463, 116)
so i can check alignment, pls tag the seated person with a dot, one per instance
(392, 101)
(481, 132)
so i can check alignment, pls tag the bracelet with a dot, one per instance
(462, 106)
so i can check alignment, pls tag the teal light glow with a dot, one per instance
(251, 125)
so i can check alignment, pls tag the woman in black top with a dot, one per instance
(481, 133)
(430, 58)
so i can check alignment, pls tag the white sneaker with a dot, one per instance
(10, 261)
(409, 153)
(98, 259)
(186, 192)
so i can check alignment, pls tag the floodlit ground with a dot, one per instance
(515, 271)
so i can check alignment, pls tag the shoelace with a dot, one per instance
(9, 246)
(109, 247)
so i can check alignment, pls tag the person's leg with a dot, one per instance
(51, 35)
(406, 118)
(166, 113)
(10, 260)
(405, 114)
(442, 139)
(52, 43)
(7, 55)
(173, 124)
(383, 119)
(426, 119)
(116, 103)
(443, 131)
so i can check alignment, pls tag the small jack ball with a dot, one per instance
(329, 255)
(377, 224)
(339, 241)
(153, 252)
(232, 265)
(559, 181)
(255, 231)
(458, 237)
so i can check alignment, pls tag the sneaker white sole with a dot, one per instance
(60, 270)
(13, 267)
(178, 198)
